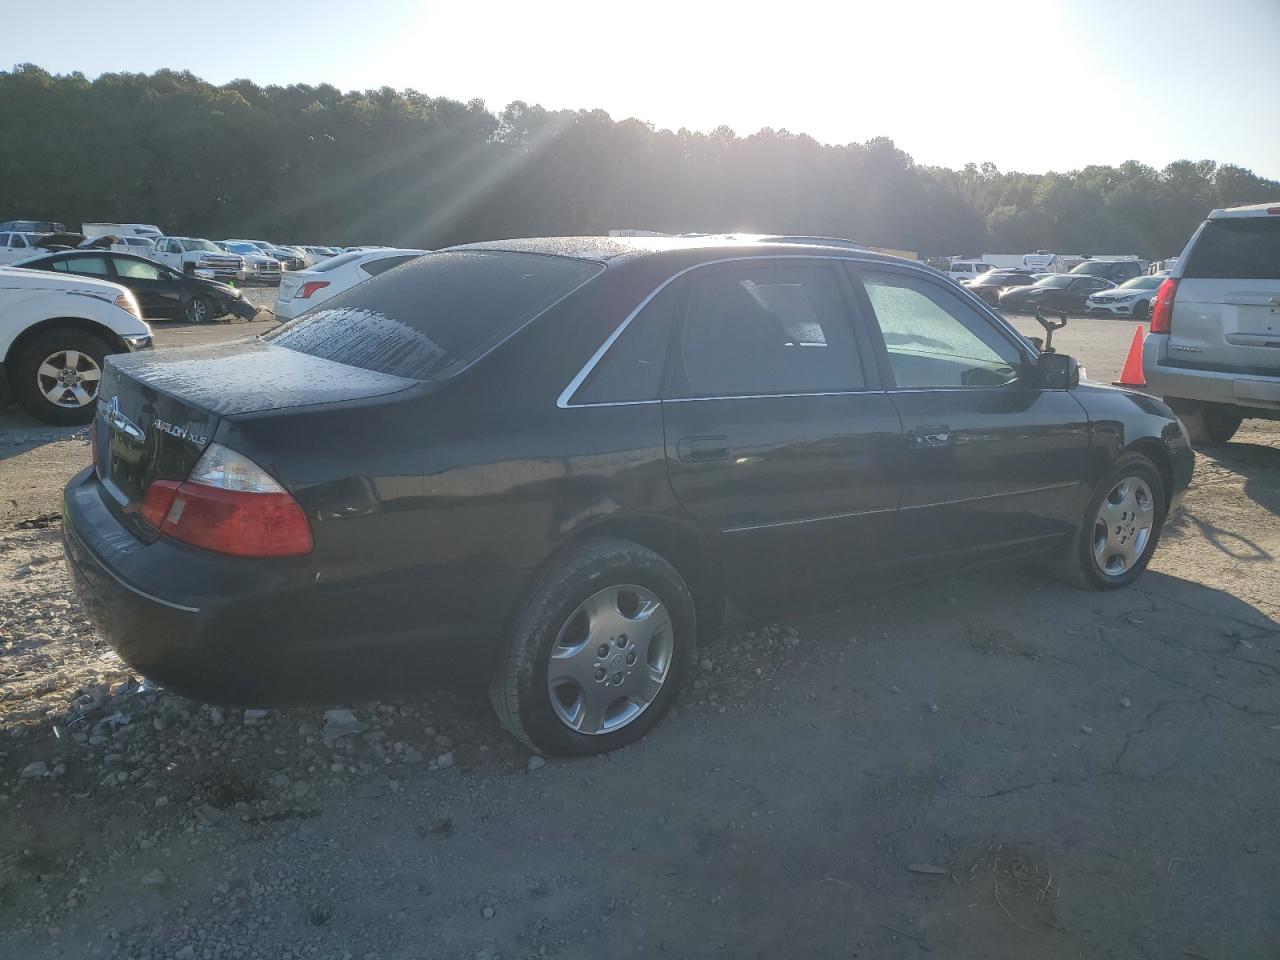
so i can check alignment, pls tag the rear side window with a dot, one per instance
(1239, 248)
(632, 368)
(382, 265)
(767, 330)
(438, 314)
(94, 266)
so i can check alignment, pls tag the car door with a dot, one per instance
(991, 461)
(158, 289)
(780, 442)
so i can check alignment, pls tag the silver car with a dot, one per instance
(1214, 348)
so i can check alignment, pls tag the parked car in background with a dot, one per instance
(988, 285)
(202, 255)
(303, 289)
(1130, 299)
(259, 267)
(32, 226)
(1117, 271)
(1214, 347)
(148, 230)
(316, 255)
(959, 270)
(162, 292)
(15, 246)
(288, 259)
(550, 461)
(55, 332)
(1062, 292)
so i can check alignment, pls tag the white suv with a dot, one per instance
(1214, 348)
(54, 331)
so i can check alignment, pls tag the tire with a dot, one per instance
(1079, 565)
(616, 579)
(199, 309)
(1141, 310)
(61, 355)
(1208, 424)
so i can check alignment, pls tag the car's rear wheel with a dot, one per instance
(56, 375)
(1120, 528)
(199, 309)
(1208, 424)
(599, 651)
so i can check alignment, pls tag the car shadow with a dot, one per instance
(1257, 463)
(21, 433)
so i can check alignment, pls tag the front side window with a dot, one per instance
(767, 330)
(935, 339)
(137, 269)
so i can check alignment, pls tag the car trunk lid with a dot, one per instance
(158, 412)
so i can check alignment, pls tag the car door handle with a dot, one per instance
(702, 449)
(935, 435)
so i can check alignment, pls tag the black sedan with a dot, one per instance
(162, 292)
(1061, 293)
(548, 463)
(988, 286)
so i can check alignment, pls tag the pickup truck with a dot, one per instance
(205, 257)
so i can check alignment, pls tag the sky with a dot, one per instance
(1033, 86)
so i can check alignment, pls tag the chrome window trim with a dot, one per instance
(791, 523)
(1044, 488)
(563, 401)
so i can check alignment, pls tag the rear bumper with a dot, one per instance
(274, 632)
(1208, 386)
(284, 309)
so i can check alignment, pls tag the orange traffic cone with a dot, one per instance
(1132, 375)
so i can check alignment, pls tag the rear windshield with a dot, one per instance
(431, 317)
(337, 261)
(1240, 248)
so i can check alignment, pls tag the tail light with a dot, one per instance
(1162, 307)
(308, 288)
(229, 505)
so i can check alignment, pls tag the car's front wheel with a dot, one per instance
(1141, 310)
(599, 651)
(200, 309)
(1120, 528)
(56, 375)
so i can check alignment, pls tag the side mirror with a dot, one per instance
(1057, 371)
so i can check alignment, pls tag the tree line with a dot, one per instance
(312, 164)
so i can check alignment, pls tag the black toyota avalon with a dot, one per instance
(548, 463)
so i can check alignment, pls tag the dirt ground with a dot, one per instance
(994, 766)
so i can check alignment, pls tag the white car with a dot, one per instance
(303, 289)
(203, 255)
(1131, 299)
(1214, 348)
(17, 246)
(55, 330)
(959, 270)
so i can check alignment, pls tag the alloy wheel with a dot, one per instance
(610, 660)
(1122, 528)
(197, 310)
(69, 378)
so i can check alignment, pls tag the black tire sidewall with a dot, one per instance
(208, 309)
(1130, 465)
(22, 373)
(558, 596)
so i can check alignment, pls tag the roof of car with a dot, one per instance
(1250, 210)
(606, 249)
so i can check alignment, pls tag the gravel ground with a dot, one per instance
(991, 766)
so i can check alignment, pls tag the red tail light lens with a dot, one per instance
(310, 287)
(230, 505)
(1162, 307)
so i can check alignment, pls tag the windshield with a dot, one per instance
(243, 248)
(1142, 283)
(434, 315)
(199, 245)
(1056, 281)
